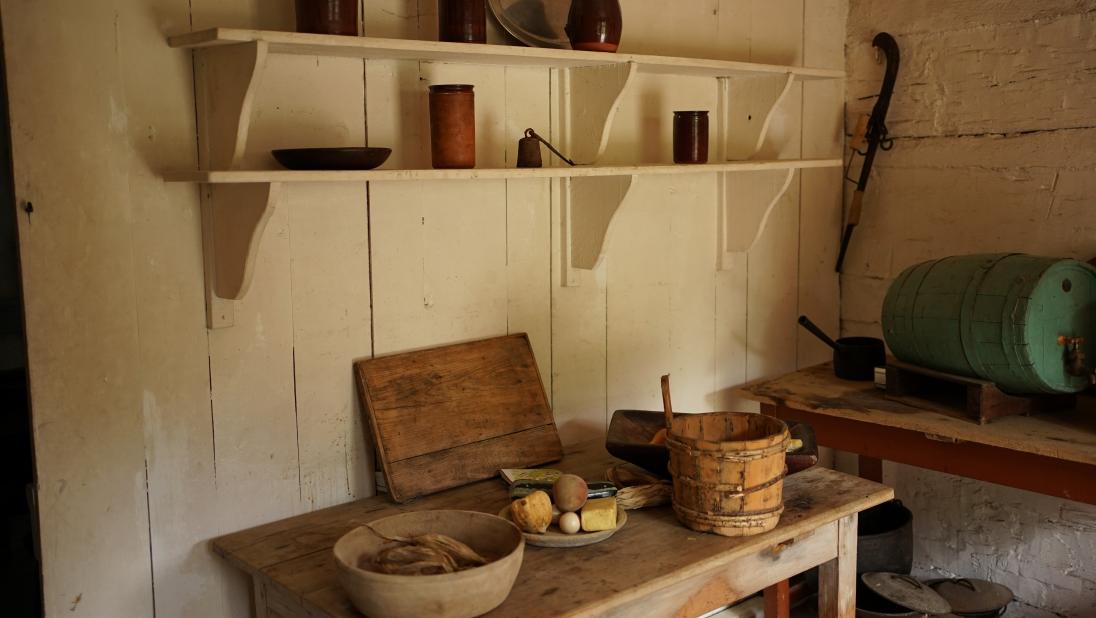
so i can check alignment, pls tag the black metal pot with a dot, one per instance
(885, 539)
(854, 358)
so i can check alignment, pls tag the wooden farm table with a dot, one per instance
(1052, 453)
(652, 567)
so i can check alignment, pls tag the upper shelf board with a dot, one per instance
(401, 49)
(256, 176)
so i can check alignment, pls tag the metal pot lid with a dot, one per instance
(537, 23)
(971, 596)
(907, 592)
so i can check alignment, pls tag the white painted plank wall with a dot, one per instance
(154, 435)
(993, 115)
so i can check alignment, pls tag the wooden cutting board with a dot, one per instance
(449, 416)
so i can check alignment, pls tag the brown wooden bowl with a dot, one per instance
(354, 158)
(463, 594)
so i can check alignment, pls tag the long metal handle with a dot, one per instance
(531, 133)
(806, 323)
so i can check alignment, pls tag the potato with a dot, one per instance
(570, 493)
(533, 513)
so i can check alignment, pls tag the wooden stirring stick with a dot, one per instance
(669, 409)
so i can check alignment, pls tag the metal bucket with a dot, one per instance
(885, 539)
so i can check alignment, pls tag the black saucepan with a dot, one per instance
(854, 358)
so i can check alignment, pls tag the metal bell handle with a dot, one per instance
(531, 133)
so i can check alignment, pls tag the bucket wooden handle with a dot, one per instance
(669, 409)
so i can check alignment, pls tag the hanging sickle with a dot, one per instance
(872, 130)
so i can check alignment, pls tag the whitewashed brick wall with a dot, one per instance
(995, 120)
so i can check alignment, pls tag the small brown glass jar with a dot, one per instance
(452, 126)
(462, 21)
(691, 137)
(328, 16)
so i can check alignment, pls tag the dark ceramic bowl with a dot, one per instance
(331, 158)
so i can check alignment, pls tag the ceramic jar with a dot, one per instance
(594, 25)
(327, 16)
(691, 137)
(452, 126)
(462, 21)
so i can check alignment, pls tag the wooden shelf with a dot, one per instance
(433, 51)
(587, 90)
(273, 176)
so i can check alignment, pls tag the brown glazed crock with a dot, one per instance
(328, 16)
(594, 25)
(462, 21)
(691, 137)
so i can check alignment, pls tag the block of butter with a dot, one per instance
(599, 514)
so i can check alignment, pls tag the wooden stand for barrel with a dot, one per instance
(728, 471)
(978, 399)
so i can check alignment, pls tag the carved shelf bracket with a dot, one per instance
(588, 209)
(234, 217)
(228, 77)
(589, 99)
(745, 111)
(746, 199)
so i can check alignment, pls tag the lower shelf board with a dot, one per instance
(265, 176)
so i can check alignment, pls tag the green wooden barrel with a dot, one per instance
(997, 317)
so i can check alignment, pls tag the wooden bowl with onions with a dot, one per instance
(480, 582)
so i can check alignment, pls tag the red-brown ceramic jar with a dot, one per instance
(452, 126)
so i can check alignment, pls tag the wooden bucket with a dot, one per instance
(728, 471)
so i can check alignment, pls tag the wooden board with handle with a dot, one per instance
(448, 416)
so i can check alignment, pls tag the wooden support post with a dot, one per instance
(837, 578)
(777, 600)
(870, 468)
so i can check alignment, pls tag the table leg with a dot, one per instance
(259, 598)
(777, 600)
(837, 578)
(870, 468)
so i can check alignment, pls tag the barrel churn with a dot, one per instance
(1023, 322)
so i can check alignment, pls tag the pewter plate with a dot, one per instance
(554, 538)
(537, 23)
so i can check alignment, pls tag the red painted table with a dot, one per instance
(1052, 453)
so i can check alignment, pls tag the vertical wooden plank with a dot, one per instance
(529, 219)
(183, 509)
(837, 578)
(439, 263)
(79, 290)
(776, 36)
(578, 346)
(687, 30)
(330, 282)
(820, 213)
